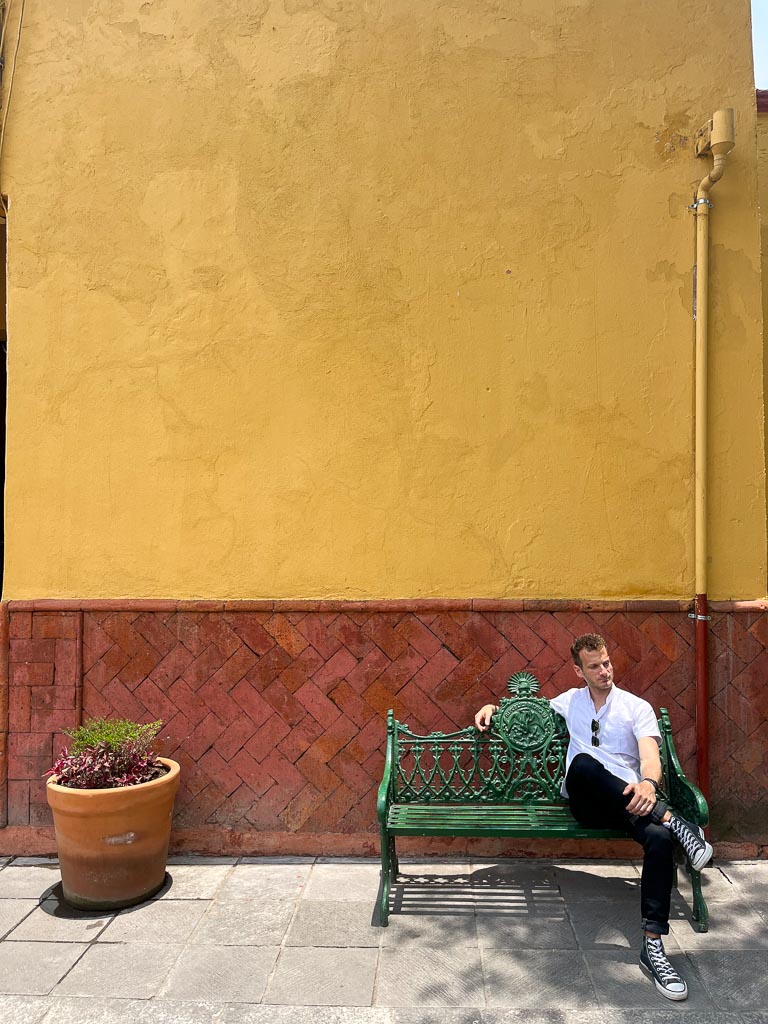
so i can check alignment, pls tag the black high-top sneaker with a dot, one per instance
(692, 840)
(654, 963)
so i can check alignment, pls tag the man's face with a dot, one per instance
(596, 670)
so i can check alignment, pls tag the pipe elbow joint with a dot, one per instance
(719, 168)
(713, 177)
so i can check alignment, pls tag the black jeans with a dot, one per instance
(597, 801)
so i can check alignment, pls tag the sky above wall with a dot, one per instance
(760, 42)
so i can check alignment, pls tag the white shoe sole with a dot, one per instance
(703, 858)
(677, 997)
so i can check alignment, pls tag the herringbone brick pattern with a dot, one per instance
(277, 718)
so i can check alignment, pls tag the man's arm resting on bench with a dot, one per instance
(484, 716)
(644, 792)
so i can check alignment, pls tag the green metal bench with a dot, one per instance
(503, 782)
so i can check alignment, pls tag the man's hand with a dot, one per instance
(484, 716)
(643, 797)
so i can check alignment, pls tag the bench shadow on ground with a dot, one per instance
(537, 932)
(494, 890)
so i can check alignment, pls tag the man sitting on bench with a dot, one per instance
(613, 771)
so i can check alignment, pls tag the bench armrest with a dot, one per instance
(385, 787)
(684, 797)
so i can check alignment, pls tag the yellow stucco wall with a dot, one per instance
(762, 179)
(324, 298)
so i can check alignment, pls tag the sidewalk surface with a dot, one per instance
(290, 941)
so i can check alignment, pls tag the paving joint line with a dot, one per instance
(282, 945)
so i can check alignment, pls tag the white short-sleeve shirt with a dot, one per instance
(624, 719)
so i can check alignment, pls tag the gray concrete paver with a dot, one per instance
(620, 983)
(273, 1014)
(681, 912)
(329, 923)
(515, 899)
(419, 896)
(537, 978)
(735, 979)
(549, 930)
(532, 874)
(55, 921)
(342, 880)
(125, 970)
(12, 912)
(416, 929)
(23, 1009)
(196, 881)
(221, 973)
(308, 976)
(715, 884)
(750, 877)
(611, 924)
(587, 882)
(530, 1016)
(198, 860)
(270, 880)
(448, 870)
(244, 923)
(735, 925)
(425, 886)
(33, 968)
(636, 1015)
(155, 922)
(22, 880)
(78, 1010)
(663, 1016)
(424, 976)
(290, 859)
(436, 1015)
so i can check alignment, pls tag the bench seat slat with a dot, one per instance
(490, 820)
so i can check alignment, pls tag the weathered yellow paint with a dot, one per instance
(762, 178)
(323, 298)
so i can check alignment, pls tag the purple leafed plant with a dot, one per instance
(109, 754)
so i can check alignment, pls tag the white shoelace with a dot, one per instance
(691, 842)
(659, 962)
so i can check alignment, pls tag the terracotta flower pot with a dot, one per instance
(113, 843)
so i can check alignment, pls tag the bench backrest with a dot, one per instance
(521, 758)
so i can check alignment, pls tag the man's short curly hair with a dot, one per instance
(585, 642)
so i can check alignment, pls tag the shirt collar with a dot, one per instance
(608, 699)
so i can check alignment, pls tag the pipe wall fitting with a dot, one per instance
(722, 138)
(718, 135)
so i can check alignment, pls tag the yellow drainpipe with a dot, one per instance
(716, 137)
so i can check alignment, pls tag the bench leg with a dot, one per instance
(386, 869)
(700, 911)
(394, 863)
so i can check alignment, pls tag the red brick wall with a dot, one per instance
(276, 711)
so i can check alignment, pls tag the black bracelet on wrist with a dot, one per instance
(653, 782)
